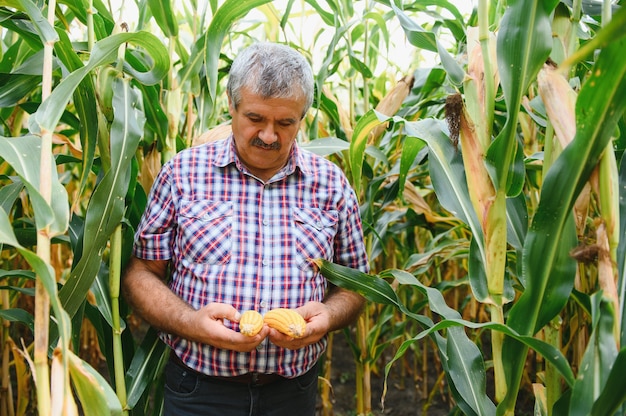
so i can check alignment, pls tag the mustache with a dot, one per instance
(260, 143)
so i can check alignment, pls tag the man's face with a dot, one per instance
(264, 131)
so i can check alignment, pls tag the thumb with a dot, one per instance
(310, 309)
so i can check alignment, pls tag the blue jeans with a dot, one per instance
(188, 393)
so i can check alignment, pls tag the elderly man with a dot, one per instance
(233, 224)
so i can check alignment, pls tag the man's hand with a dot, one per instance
(340, 308)
(317, 316)
(211, 329)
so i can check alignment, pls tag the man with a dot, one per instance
(234, 224)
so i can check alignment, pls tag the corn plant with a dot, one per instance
(521, 262)
(477, 177)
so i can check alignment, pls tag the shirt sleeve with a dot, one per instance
(155, 234)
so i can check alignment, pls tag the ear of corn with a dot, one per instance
(560, 101)
(250, 323)
(287, 321)
(391, 103)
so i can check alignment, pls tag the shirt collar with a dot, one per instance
(227, 155)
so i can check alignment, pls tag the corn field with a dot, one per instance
(491, 177)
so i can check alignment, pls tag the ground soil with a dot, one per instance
(404, 395)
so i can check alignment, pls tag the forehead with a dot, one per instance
(291, 107)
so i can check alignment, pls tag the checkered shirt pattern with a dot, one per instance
(234, 239)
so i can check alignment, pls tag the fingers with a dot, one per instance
(222, 311)
(221, 336)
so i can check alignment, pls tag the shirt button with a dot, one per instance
(265, 222)
(263, 304)
(265, 262)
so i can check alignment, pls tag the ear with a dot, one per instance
(231, 107)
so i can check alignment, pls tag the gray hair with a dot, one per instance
(271, 70)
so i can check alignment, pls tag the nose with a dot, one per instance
(267, 134)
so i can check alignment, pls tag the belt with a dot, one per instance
(253, 378)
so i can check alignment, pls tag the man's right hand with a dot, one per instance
(212, 330)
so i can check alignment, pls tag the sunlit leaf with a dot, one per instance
(23, 154)
(326, 146)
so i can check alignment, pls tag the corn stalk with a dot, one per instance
(42, 299)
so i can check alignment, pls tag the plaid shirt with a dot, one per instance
(233, 239)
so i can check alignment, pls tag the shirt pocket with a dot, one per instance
(205, 231)
(314, 234)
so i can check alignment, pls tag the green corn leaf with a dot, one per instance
(23, 154)
(11, 20)
(424, 39)
(465, 365)
(46, 32)
(45, 274)
(621, 249)
(446, 170)
(460, 356)
(327, 68)
(107, 204)
(416, 35)
(549, 281)
(610, 32)
(410, 149)
(165, 16)
(357, 146)
(102, 295)
(104, 52)
(380, 24)
(371, 287)
(359, 66)
(598, 108)
(84, 104)
(597, 359)
(16, 87)
(79, 8)
(326, 146)
(156, 119)
(193, 65)
(448, 177)
(327, 17)
(228, 13)
(94, 392)
(145, 366)
(9, 194)
(524, 44)
(613, 394)
(467, 368)
(18, 315)
(517, 221)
